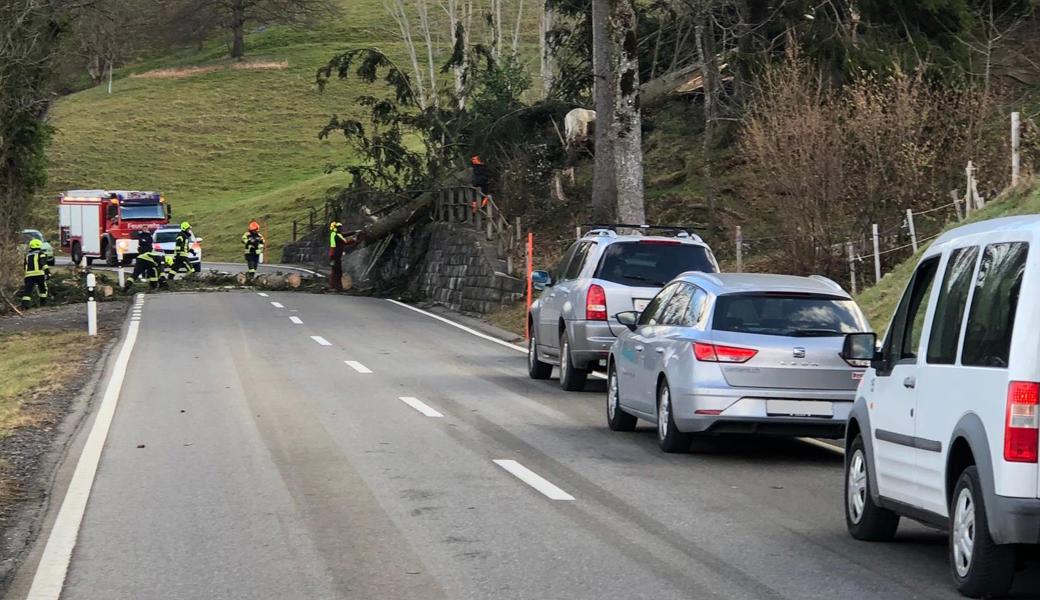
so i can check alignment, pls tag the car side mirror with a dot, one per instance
(628, 318)
(541, 280)
(862, 348)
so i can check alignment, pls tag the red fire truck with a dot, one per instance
(104, 224)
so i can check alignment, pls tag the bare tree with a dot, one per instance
(604, 177)
(545, 25)
(236, 16)
(626, 131)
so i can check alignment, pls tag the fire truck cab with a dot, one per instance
(105, 224)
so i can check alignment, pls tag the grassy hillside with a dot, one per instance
(879, 302)
(226, 144)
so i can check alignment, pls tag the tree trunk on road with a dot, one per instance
(626, 135)
(604, 179)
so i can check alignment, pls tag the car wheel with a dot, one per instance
(980, 566)
(864, 519)
(668, 435)
(76, 254)
(572, 379)
(536, 369)
(617, 418)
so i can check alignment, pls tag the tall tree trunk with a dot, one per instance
(544, 27)
(604, 178)
(238, 29)
(626, 134)
(705, 40)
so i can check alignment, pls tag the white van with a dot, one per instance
(944, 426)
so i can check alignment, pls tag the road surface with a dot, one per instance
(313, 446)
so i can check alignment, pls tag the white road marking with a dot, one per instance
(534, 480)
(322, 341)
(277, 304)
(262, 295)
(471, 331)
(421, 406)
(54, 564)
(468, 330)
(824, 445)
(360, 368)
(296, 320)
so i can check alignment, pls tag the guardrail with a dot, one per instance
(469, 206)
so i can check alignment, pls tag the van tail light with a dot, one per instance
(726, 354)
(596, 304)
(1021, 425)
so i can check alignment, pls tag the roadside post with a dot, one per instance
(739, 237)
(91, 305)
(119, 269)
(852, 266)
(910, 226)
(877, 255)
(530, 269)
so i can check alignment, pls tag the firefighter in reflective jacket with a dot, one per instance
(149, 263)
(253, 242)
(339, 241)
(36, 274)
(182, 251)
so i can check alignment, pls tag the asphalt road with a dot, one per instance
(247, 459)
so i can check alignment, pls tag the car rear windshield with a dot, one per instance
(798, 315)
(652, 263)
(165, 236)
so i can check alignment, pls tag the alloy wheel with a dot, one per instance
(612, 395)
(664, 412)
(856, 486)
(963, 532)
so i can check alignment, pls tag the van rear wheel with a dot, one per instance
(979, 565)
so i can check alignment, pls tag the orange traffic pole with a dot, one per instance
(530, 268)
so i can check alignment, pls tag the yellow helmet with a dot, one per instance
(35, 244)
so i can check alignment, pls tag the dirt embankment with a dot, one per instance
(48, 369)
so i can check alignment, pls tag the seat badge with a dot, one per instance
(798, 352)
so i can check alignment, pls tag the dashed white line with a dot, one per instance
(277, 304)
(262, 295)
(534, 480)
(321, 341)
(54, 564)
(360, 368)
(296, 320)
(421, 406)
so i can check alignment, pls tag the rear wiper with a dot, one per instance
(813, 332)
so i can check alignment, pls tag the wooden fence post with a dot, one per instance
(852, 266)
(910, 226)
(1016, 141)
(877, 255)
(739, 237)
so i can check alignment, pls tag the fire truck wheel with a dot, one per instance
(76, 253)
(111, 258)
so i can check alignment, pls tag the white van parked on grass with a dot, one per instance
(944, 426)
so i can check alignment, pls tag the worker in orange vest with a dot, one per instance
(480, 181)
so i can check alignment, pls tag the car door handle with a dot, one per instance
(910, 383)
(659, 350)
(639, 348)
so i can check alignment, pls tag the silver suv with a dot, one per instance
(602, 274)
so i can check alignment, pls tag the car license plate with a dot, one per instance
(639, 304)
(799, 408)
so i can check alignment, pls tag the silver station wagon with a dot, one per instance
(736, 353)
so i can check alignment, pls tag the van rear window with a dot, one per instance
(648, 264)
(796, 315)
(991, 320)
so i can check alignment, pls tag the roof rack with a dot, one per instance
(610, 229)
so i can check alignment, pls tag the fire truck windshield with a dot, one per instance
(138, 212)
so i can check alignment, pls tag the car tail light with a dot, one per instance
(596, 304)
(859, 364)
(195, 246)
(708, 411)
(718, 353)
(1021, 425)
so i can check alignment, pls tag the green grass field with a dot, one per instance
(225, 145)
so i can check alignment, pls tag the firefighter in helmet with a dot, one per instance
(253, 242)
(149, 264)
(182, 251)
(339, 242)
(36, 274)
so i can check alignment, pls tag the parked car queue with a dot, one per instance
(940, 420)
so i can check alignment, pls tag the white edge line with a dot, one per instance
(824, 445)
(534, 480)
(471, 331)
(277, 304)
(54, 564)
(360, 368)
(322, 341)
(421, 406)
(468, 330)
(262, 295)
(296, 320)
